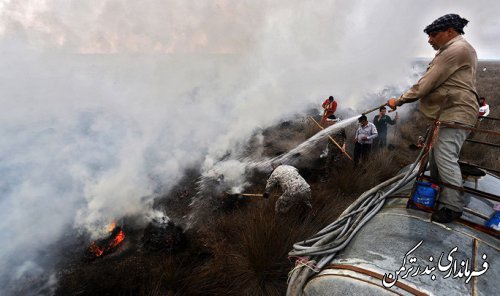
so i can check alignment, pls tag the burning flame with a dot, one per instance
(119, 238)
(94, 249)
(104, 246)
(111, 226)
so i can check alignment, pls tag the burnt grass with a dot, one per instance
(243, 248)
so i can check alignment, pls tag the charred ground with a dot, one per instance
(242, 248)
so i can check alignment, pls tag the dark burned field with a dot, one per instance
(241, 248)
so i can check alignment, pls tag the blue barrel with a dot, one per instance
(494, 221)
(425, 194)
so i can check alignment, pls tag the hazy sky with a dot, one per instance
(105, 102)
(111, 26)
(483, 31)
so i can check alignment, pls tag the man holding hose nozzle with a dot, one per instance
(447, 92)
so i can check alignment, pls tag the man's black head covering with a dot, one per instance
(453, 21)
(362, 118)
(331, 98)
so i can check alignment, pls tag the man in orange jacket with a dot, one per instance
(330, 106)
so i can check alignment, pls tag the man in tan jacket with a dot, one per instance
(447, 92)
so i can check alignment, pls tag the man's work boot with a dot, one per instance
(445, 215)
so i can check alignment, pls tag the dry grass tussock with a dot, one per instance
(128, 275)
(250, 247)
(380, 167)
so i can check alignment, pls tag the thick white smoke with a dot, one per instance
(104, 103)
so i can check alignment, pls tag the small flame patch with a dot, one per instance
(107, 245)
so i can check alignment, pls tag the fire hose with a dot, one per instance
(377, 108)
(322, 247)
(374, 109)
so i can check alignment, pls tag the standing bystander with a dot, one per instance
(381, 121)
(484, 109)
(363, 139)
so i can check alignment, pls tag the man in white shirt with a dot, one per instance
(484, 109)
(363, 139)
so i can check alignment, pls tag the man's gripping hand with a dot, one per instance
(394, 103)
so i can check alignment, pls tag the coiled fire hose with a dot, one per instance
(322, 247)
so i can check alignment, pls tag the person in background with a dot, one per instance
(329, 106)
(447, 92)
(381, 121)
(363, 139)
(332, 153)
(484, 109)
(296, 191)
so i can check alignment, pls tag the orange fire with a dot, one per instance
(119, 238)
(107, 245)
(94, 249)
(111, 226)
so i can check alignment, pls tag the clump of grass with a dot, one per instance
(131, 275)
(251, 247)
(250, 250)
(378, 167)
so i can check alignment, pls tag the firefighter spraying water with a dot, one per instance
(449, 98)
